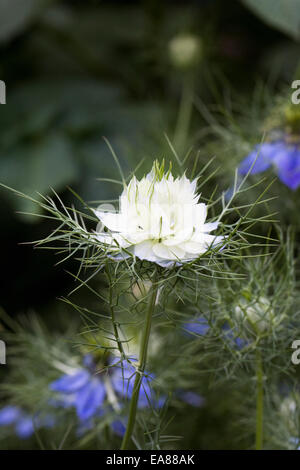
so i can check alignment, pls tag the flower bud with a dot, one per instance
(288, 411)
(185, 51)
(141, 288)
(258, 316)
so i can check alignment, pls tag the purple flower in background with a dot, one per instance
(86, 391)
(199, 326)
(283, 156)
(87, 425)
(191, 398)
(14, 416)
(9, 415)
(122, 379)
(23, 423)
(83, 390)
(24, 427)
(118, 428)
(234, 340)
(240, 343)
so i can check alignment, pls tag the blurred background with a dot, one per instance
(133, 72)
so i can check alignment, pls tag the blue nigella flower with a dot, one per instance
(191, 398)
(283, 156)
(9, 415)
(123, 382)
(24, 427)
(118, 428)
(82, 390)
(86, 391)
(199, 326)
(234, 340)
(23, 423)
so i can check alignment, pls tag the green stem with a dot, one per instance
(142, 364)
(185, 113)
(259, 401)
(112, 313)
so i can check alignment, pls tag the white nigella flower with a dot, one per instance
(159, 220)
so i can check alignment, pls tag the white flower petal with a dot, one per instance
(115, 240)
(135, 237)
(168, 253)
(200, 214)
(112, 221)
(210, 226)
(179, 237)
(105, 238)
(159, 220)
(195, 248)
(168, 264)
(211, 240)
(144, 250)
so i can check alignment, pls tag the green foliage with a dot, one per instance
(281, 14)
(52, 133)
(15, 15)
